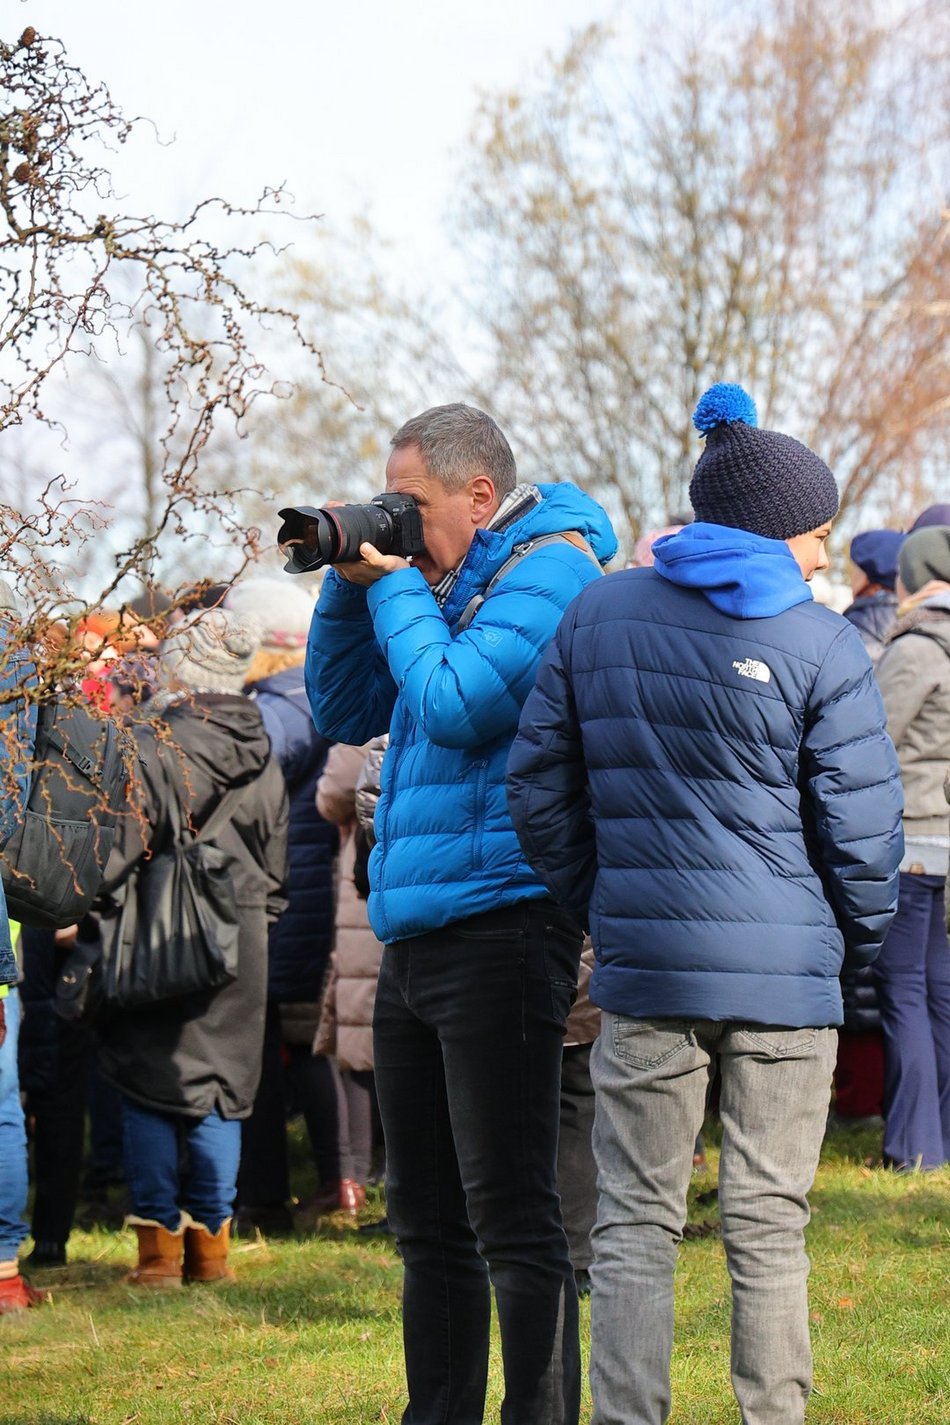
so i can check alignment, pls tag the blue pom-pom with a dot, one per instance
(723, 403)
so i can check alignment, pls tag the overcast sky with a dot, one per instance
(357, 106)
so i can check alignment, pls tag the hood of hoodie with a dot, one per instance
(563, 509)
(222, 734)
(741, 574)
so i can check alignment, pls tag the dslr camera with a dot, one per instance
(311, 538)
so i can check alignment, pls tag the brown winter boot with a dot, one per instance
(206, 1253)
(160, 1254)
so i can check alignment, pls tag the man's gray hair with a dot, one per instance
(458, 442)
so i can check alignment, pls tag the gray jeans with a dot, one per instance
(650, 1079)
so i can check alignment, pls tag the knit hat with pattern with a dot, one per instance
(210, 651)
(752, 479)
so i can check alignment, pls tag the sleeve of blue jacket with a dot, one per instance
(852, 780)
(469, 689)
(348, 683)
(547, 784)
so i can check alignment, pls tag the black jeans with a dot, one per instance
(264, 1176)
(468, 1035)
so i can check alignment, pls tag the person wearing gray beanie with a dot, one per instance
(210, 651)
(912, 974)
(925, 558)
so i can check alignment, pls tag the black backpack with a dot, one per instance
(53, 864)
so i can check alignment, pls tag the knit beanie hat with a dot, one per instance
(752, 479)
(925, 555)
(210, 651)
(875, 553)
(933, 514)
(282, 609)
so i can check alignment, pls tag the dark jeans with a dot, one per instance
(264, 1177)
(912, 974)
(469, 1029)
(576, 1169)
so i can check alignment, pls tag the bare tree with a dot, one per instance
(77, 273)
(763, 202)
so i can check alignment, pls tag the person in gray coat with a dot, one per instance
(912, 973)
(188, 1068)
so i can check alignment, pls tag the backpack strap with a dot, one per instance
(223, 812)
(519, 552)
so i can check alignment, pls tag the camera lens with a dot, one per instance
(311, 538)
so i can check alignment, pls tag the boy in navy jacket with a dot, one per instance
(702, 774)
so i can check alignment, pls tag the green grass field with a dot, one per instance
(311, 1333)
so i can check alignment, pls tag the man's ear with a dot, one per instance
(484, 499)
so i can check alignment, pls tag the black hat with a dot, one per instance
(758, 480)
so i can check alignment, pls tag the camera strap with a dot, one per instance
(519, 552)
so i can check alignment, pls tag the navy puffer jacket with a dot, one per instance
(300, 942)
(713, 790)
(873, 616)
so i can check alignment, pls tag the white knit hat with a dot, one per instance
(7, 599)
(282, 609)
(210, 651)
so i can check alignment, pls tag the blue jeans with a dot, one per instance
(175, 1164)
(469, 1028)
(650, 1079)
(912, 975)
(13, 1168)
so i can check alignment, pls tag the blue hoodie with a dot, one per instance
(703, 773)
(742, 574)
(446, 848)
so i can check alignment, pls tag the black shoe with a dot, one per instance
(47, 1254)
(582, 1281)
(376, 1229)
(269, 1221)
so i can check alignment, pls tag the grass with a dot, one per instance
(311, 1332)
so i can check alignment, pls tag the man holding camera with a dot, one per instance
(480, 965)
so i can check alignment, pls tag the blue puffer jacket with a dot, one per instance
(17, 735)
(703, 770)
(299, 943)
(446, 848)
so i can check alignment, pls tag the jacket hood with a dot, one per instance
(222, 734)
(741, 574)
(931, 617)
(563, 507)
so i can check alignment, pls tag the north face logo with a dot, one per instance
(752, 668)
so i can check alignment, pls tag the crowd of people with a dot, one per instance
(523, 857)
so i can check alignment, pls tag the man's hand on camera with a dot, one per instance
(371, 566)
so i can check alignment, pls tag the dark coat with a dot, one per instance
(195, 1055)
(717, 794)
(873, 616)
(301, 941)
